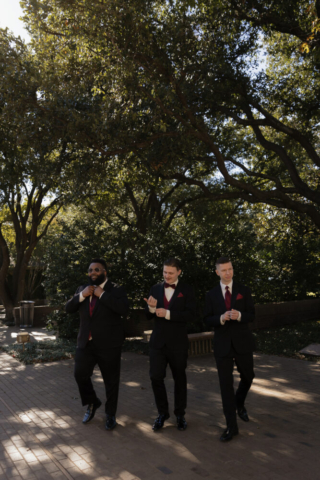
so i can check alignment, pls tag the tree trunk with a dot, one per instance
(9, 318)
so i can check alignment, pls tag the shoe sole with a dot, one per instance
(244, 419)
(223, 440)
(109, 429)
(182, 428)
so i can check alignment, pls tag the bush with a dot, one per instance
(278, 270)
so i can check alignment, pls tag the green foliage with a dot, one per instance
(275, 255)
(135, 346)
(38, 352)
(135, 260)
(289, 340)
(140, 110)
(65, 323)
(179, 84)
(34, 159)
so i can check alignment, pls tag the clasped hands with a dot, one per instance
(152, 302)
(92, 290)
(230, 315)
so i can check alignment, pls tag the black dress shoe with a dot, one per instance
(159, 421)
(110, 422)
(91, 410)
(181, 422)
(228, 434)
(242, 412)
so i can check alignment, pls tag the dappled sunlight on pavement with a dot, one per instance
(43, 437)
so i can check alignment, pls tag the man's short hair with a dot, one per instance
(101, 261)
(222, 260)
(173, 262)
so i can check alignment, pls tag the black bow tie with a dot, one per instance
(167, 285)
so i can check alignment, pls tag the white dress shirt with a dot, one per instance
(169, 294)
(81, 297)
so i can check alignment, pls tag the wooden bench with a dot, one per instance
(199, 343)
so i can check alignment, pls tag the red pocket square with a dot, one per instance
(180, 295)
(239, 296)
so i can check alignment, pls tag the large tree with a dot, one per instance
(34, 161)
(185, 76)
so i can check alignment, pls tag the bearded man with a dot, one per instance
(102, 306)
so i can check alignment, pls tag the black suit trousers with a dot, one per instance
(177, 360)
(230, 400)
(108, 361)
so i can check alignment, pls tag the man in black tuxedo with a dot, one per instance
(171, 305)
(228, 309)
(101, 305)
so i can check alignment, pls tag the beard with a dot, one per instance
(100, 279)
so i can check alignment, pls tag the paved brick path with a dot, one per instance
(42, 437)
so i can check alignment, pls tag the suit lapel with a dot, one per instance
(108, 286)
(235, 292)
(87, 301)
(160, 297)
(221, 298)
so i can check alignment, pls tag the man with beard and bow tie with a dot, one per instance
(102, 305)
(171, 305)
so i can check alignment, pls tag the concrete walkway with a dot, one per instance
(42, 437)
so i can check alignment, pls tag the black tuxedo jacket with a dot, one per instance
(232, 332)
(173, 332)
(106, 324)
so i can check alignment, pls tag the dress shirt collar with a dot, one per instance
(174, 283)
(223, 287)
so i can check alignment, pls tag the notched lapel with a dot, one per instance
(235, 292)
(177, 290)
(86, 301)
(160, 296)
(108, 286)
(220, 298)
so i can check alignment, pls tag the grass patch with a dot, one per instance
(38, 352)
(287, 341)
(54, 350)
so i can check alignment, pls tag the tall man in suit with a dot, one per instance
(101, 305)
(228, 309)
(171, 304)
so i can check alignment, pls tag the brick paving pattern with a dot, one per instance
(42, 436)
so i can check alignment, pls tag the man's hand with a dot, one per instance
(226, 316)
(151, 301)
(88, 291)
(234, 314)
(161, 312)
(98, 291)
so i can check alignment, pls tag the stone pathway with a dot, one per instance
(42, 436)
